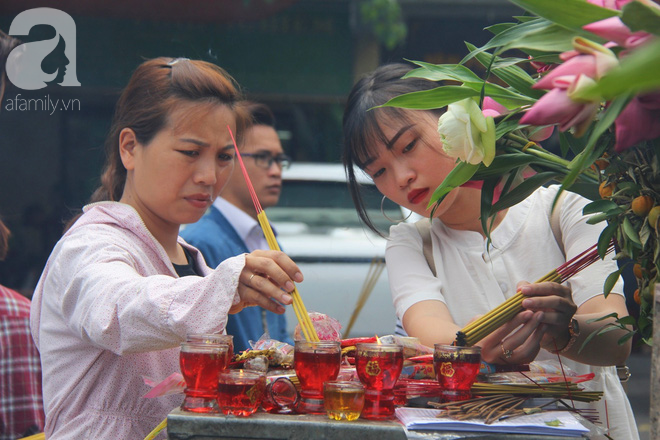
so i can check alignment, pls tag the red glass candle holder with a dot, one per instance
(378, 367)
(456, 369)
(214, 338)
(280, 397)
(200, 366)
(240, 392)
(315, 363)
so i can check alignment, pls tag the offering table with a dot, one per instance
(183, 425)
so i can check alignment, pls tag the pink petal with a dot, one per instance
(637, 123)
(611, 29)
(542, 134)
(579, 65)
(492, 105)
(555, 107)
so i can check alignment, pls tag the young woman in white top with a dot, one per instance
(401, 150)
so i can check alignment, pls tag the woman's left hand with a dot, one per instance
(556, 303)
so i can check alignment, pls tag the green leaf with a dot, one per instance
(503, 164)
(514, 76)
(571, 14)
(610, 281)
(583, 160)
(522, 191)
(442, 72)
(599, 206)
(627, 320)
(597, 218)
(554, 38)
(605, 238)
(430, 99)
(630, 231)
(640, 17)
(622, 340)
(506, 97)
(461, 173)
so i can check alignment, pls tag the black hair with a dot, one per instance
(362, 122)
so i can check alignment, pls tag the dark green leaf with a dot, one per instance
(572, 14)
(522, 191)
(430, 99)
(461, 173)
(503, 164)
(599, 206)
(441, 72)
(514, 76)
(597, 218)
(640, 17)
(610, 281)
(630, 231)
(623, 339)
(627, 320)
(605, 238)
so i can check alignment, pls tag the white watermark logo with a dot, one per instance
(25, 63)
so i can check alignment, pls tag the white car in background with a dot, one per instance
(318, 227)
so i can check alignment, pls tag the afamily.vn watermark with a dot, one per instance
(40, 104)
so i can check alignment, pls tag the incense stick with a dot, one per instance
(306, 325)
(375, 269)
(491, 321)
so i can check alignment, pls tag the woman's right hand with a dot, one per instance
(267, 275)
(516, 342)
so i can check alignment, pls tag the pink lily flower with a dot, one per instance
(556, 107)
(610, 4)
(639, 121)
(613, 29)
(490, 107)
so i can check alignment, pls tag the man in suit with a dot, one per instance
(231, 227)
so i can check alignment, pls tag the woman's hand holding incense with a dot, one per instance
(267, 281)
(516, 342)
(556, 303)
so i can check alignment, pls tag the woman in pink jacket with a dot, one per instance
(121, 289)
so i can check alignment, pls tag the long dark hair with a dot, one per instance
(362, 122)
(153, 91)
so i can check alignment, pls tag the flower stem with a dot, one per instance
(520, 142)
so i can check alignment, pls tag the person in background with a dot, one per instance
(121, 290)
(231, 227)
(21, 404)
(400, 149)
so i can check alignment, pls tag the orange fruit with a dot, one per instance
(636, 297)
(642, 205)
(606, 189)
(601, 163)
(654, 213)
(638, 271)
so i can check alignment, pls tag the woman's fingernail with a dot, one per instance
(286, 299)
(298, 277)
(289, 286)
(527, 303)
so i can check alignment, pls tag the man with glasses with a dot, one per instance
(231, 227)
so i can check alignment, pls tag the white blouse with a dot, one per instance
(474, 277)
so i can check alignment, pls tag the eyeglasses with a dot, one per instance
(265, 160)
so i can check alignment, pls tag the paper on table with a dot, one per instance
(427, 419)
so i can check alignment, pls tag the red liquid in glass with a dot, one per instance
(314, 368)
(457, 374)
(201, 370)
(240, 399)
(379, 370)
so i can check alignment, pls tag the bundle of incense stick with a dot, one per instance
(557, 390)
(491, 321)
(306, 325)
(503, 406)
(375, 269)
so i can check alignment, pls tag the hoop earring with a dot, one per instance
(382, 211)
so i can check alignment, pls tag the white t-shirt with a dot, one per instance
(473, 279)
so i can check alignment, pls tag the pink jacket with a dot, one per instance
(108, 309)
